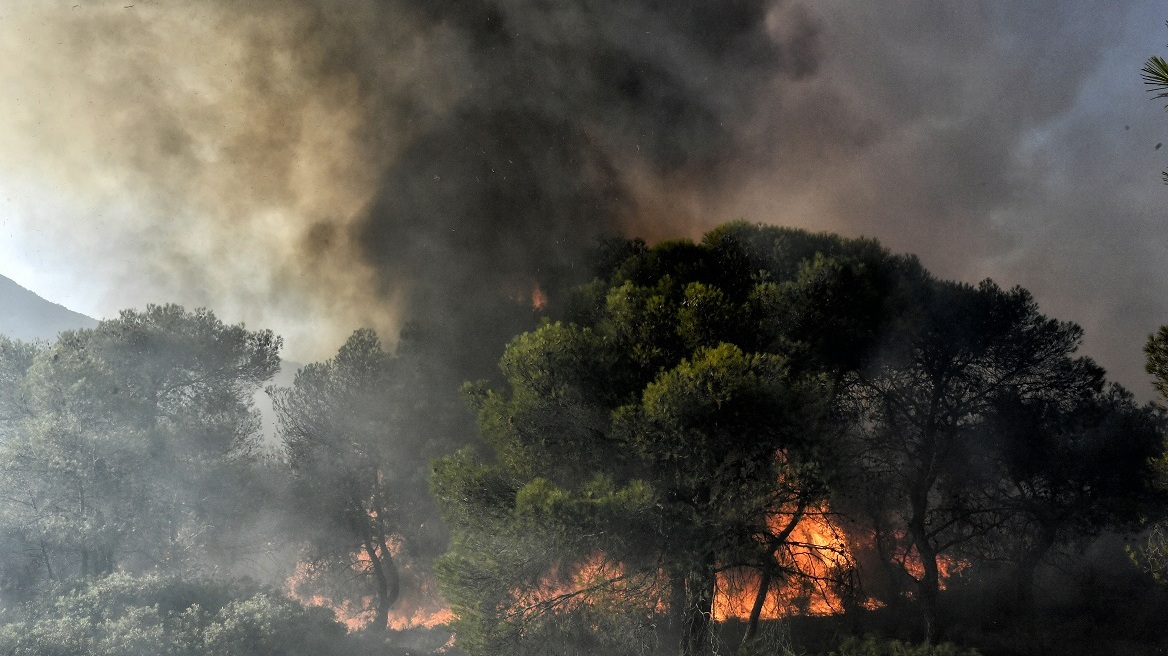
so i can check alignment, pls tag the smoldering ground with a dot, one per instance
(319, 165)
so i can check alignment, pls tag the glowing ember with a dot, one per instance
(947, 566)
(538, 298)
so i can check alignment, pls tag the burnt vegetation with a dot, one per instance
(766, 442)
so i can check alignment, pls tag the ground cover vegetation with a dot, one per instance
(767, 441)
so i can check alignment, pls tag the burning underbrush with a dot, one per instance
(314, 583)
(817, 562)
(815, 572)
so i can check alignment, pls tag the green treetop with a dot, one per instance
(670, 427)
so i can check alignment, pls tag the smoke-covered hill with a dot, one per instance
(26, 316)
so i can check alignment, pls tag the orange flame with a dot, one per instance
(592, 577)
(418, 606)
(947, 566)
(816, 547)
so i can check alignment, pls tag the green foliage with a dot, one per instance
(1155, 76)
(1156, 350)
(338, 423)
(15, 359)
(687, 409)
(133, 444)
(121, 615)
(358, 432)
(872, 646)
(649, 435)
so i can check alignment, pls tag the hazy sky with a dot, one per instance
(311, 166)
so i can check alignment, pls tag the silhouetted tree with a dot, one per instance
(1156, 351)
(1153, 554)
(925, 465)
(1073, 464)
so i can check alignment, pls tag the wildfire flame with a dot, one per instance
(816, 547)
(555, 589)
(419, 606)
(947, 567)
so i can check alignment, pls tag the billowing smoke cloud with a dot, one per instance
(1005, 140)
(197, 147)
(317, 165)
(348, 161)
(574, 119)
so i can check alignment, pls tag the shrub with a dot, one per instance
(122, 615)
(872, 646)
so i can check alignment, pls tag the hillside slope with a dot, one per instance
(26, 316)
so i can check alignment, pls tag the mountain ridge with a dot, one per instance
(26, 316)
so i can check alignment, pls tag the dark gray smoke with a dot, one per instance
(340, 162)
(573, 120)
(561, 104)
(1005, 140)
(318, 165)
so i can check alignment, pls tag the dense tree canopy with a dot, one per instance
(132, 445)
(964, 367)
(672, 427)
(696, 401)
(15, 359)
(748, 418)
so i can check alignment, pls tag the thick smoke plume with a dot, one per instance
(315, 165)
(354, 160)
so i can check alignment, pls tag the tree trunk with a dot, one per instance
(930, 588)
(764, 587)
(388, 581)
(1028, 566)
(696, 613)
(691, 597)
(671, 629)
(768, 568)
(929, 584)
